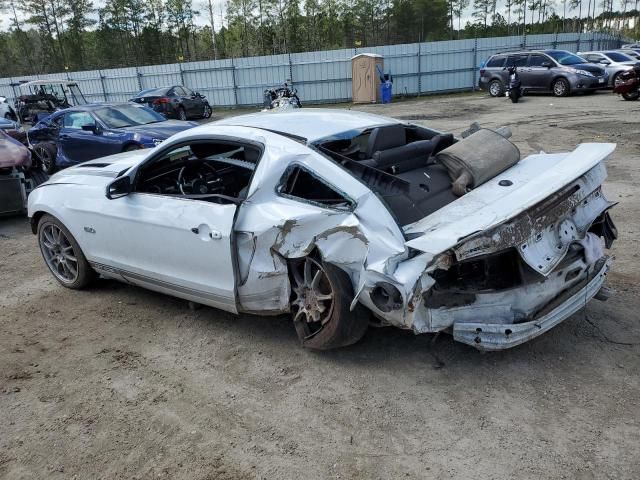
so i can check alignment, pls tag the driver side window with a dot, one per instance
(76, 120)
(207, 171)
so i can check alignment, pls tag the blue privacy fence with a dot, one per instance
(417, 68)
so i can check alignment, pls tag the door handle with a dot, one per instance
(64, 136)
(213, 234)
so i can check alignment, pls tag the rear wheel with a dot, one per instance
(631, 95)
(131, 148)
(47, 155)
(182, 114)
(495, 88)
(561, 87)
(63, 255)
(321, 297)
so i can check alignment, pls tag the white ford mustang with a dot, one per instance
(341, 219)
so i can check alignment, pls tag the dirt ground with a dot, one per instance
(117, 382)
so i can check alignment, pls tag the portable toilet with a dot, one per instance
(365, 80)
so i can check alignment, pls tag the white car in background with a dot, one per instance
(614, 63)
(341, 218)
(6, 110)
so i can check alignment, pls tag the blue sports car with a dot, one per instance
(78, 134)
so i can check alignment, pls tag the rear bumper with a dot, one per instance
(490, 336)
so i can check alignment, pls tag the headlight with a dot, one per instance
(580, 72)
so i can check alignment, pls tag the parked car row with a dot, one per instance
(558, 71)
(79, 131)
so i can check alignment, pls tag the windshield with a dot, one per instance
(565, 58)
(618, 57)
(127, 116)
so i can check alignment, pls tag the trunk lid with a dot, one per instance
(504, 197)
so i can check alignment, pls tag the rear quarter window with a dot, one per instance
(496, 62)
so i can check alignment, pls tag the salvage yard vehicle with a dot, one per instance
(78, 134)
(44, 97)
(176, 101)
(20, 173)
(629, 84)
(6, 110)
(615, 63)
(556, 71)
(341, 218)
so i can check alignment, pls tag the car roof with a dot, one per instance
(311, 124)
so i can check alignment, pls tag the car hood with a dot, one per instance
(161, 130)
(589, 67)
(109, 167)
(533, 180)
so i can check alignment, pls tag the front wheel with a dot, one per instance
(321, 297)
(561, 87)
(207, 111)
(62, 254)
(631, 96)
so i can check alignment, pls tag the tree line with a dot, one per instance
(44, 36)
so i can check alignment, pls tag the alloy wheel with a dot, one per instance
(494, 88)
(313, 295)
(58, 253)
(182, 114)
(46, 159)
(560, 88)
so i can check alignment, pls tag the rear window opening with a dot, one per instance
(397, 162)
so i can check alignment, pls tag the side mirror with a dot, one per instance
(605, 62)
(120, 187)
(91, 127)
(546, 64)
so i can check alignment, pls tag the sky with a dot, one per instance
(203, 18)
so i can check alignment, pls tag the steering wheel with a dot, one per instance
(198, 182)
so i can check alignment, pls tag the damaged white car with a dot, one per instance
(342, 219)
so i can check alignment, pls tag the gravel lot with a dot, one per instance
(118, 382)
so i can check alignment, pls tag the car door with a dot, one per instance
(192, 103)
(535, 76)
(78, 145)
(166, 243)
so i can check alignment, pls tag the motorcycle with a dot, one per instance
(629, 86)
(281, 98)
(514, 89)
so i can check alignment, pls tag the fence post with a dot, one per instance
(290, 68)
(181, 73)
(555, 41)
(104, 90)
(235, 83)
(139, 78)
(578, 42)
(475, 64)
(419, 68)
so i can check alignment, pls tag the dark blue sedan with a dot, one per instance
(78, 134)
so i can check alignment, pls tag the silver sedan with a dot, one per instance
(613, 62)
